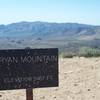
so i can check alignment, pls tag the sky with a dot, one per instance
(61, 11)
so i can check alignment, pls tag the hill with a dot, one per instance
(65, 36)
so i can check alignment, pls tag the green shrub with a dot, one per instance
(83, 52)
(67, 55)
(89, 52)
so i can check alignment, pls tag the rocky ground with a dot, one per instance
(79, 79)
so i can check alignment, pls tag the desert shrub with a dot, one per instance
(67, 55)
(89, 52)
(18, 42)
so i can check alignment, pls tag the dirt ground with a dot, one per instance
(79, 79)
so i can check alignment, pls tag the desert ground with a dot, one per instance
(79, 79)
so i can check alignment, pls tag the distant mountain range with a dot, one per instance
(66, 36)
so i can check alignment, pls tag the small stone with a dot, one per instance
(43, 97)
(55, 97)
(89, 89)
(75, 84)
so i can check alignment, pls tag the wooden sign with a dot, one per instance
(28, 68)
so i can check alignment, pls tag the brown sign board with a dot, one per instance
(28, 68)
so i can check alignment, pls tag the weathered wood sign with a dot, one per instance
(28, 68)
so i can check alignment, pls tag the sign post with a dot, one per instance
(28, 68)
(29, 94)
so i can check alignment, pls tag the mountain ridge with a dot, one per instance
(65, 36)
(31, 28)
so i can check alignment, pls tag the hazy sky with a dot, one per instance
(76, 11)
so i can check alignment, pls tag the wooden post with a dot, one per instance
(29, 94)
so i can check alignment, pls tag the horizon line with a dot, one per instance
(49, 22)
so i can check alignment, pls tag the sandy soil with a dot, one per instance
(79, 79)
